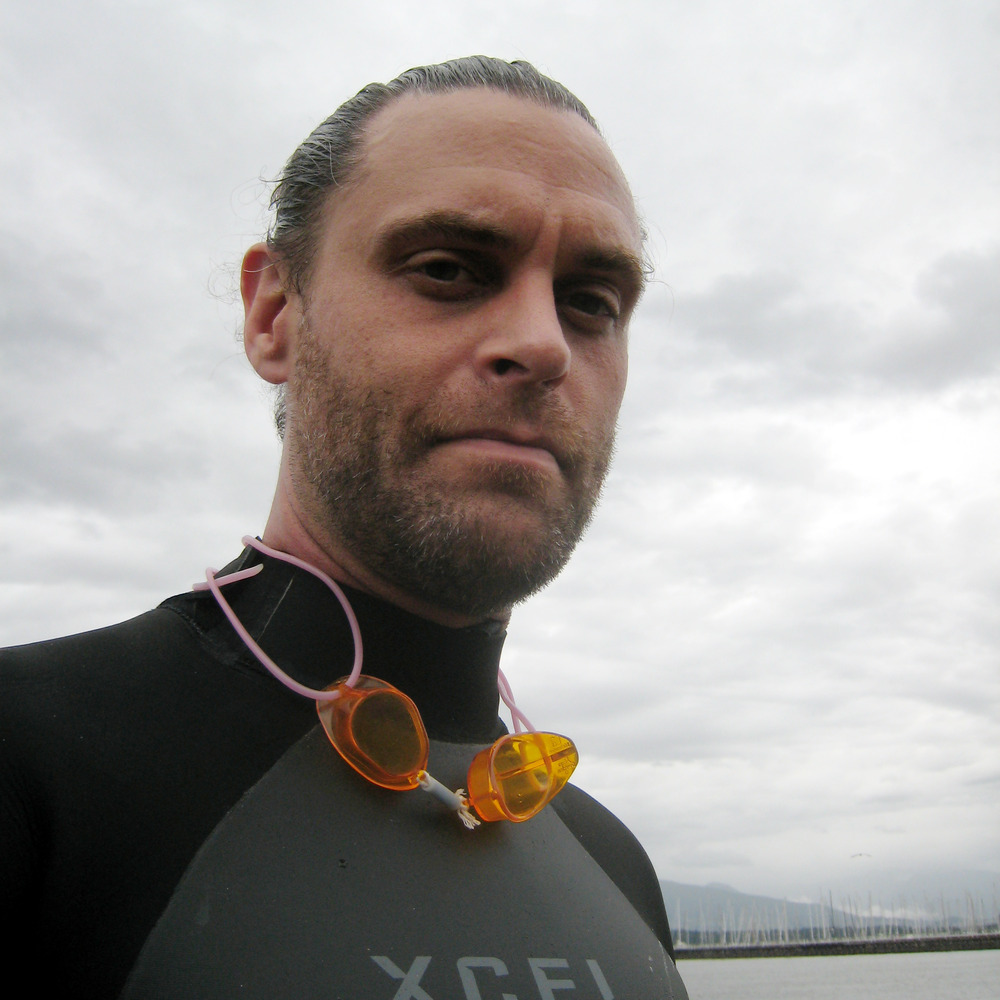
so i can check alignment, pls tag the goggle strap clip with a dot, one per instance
(456, 801)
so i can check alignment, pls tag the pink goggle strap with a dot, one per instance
(213, 584)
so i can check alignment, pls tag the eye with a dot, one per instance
(442, 270)
(596, 307)
(445, 275)
(591, 304)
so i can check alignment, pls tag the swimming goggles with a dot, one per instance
(378, 730)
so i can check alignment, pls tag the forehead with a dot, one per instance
(488, 154)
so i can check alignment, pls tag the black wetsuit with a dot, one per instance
(173, 823)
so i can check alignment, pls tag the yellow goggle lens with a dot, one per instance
(520, 774)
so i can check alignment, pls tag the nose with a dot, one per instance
(525, 340)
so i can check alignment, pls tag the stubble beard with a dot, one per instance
(358, 472)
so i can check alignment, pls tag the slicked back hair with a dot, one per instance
(335, 148)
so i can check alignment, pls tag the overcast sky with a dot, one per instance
(778, 646)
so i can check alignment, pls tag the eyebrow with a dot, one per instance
(457, 227)
(452, 226)
(625, 265)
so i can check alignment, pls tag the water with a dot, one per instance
(940, 975)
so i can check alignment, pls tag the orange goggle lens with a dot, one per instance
(378, 731)
(519, 775)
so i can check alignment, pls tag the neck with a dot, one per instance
(290, 530)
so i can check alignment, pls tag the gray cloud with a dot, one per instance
(779, 640)
(763, 338)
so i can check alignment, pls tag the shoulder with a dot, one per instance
(140, 650)
(615, 848)
(54, 671)
(65, 706)
(120, 749)
(27, 663)
(69, 700)
(78, 711)
(77, 680)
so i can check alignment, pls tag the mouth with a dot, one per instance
(519, 448)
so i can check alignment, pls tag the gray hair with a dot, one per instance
(334, 149)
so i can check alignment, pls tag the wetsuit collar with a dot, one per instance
(449, 673)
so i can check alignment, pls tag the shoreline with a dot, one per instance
(870, 946)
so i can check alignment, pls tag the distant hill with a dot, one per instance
(894, 903)
(717, 909)
(921, 889)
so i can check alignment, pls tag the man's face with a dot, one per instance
(461, 352)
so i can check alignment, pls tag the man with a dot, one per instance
(444, 300)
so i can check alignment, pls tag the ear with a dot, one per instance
(271, 313)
